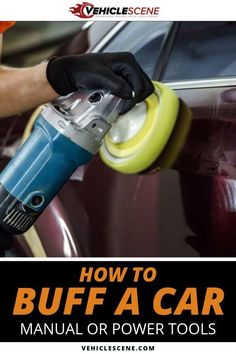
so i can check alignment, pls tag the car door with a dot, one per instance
(185, 214)
(201, 67)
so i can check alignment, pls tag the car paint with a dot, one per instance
(162, 214)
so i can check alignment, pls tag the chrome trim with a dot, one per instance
(108, 36)
(86, 25)
(206, 83)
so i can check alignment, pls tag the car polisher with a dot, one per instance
(150, 136)
(66, 135)
(69, 132)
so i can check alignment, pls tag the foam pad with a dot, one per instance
(134, 149)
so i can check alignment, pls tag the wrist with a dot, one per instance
(40, 72)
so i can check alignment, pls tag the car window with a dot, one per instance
(203, 50)
(143, 39)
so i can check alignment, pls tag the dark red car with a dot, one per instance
(103, 213)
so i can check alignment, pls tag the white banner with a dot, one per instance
(148, 348)
(105, 10)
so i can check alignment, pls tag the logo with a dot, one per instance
(87, 10)
(83, 10)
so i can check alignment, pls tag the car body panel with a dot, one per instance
(160, 214)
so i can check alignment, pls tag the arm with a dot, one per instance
(23, 89)
(0, 45)
(119, 73)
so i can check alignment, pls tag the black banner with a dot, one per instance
(117, 301)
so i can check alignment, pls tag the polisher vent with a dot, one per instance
(19, 220)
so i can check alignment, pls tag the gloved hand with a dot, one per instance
(118, 73)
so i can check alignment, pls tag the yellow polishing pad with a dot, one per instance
(137, 138)
(176, 142)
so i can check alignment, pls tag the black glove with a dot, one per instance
(118, 73)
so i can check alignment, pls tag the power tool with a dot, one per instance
(66, 135)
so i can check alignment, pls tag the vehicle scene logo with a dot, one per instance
(87, 10)
(83, 10)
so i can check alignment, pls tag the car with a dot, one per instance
(185, 213)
